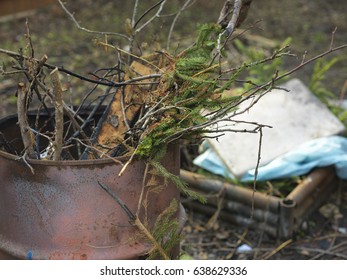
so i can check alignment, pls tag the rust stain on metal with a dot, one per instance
(61, 212)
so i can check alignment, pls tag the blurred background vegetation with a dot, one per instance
(306, 24)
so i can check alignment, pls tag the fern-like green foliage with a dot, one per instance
(166, 231)
(182, 186)
(198, 57)
(318, 88)
(316, 85)
(190, 86)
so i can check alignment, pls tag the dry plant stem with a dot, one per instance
(102, 98)
(130, 215)
(135, 23)
(24, 158)
(135, 10)
(69, 112)
(131, 29)
(328, 250)
(135, 56)
(88, 30)
(59, 114)
(217, 116)
(96, 150)
(28, 36)
(150, 237)
(324, 252)
(343, 91)
(224, 12)
(127, 163)
(256, 170)
(26, 133)
(133, 219)
(270, 85)
(33, 67)
(234, 18)
(123, 108)
(174, 22)
(305, 62)
(63, 70)
(277, 54)
(279, 248)
(241, 238)
(239, 14)
(40, 64)
(212, 221)
(142, 189)
(157, 14)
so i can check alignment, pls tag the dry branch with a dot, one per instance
(128, 103)
(25, 130)
(86, 29)
(184, 6)
(148, 85)
(134, 220)
(157, 14)
(59, 113)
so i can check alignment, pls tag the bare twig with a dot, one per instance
(224, 13)
(93, 89)
(88, 30)
(144, 180)
(24, 158)
(238, 14)
(135, 23)
(332, 38)
(136, 221)
(256, 170)
(28, 36)
(125, 119)
(130, 215)
(157, 14)
(135, 10)
(321, 251)
(301, 65)
(132, 26)
(220, 196)
(329, 249)
(240, 239)
(66, 71)
(97, 151)
(26, 133)
(184, 6)
(276, 54)
(127, 163)
(279, 248)
(59, 113)
(219, 115)
(69, 112)
(40, 64)
(20, 56)
(151, 238)
(234, 18)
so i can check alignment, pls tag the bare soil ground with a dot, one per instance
(309, 23)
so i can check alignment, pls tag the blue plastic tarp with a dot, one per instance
(301, 160)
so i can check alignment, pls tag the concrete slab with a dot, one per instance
(295, 116)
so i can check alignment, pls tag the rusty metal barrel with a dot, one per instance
(60, 211)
